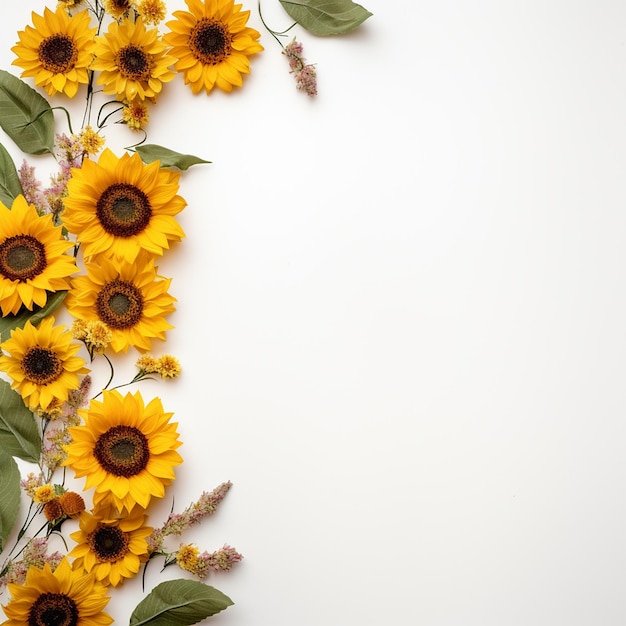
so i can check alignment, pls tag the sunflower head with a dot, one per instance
(132, 61)
(212, 44)
(57, 50)
(63, 596)
(33, 259)
(129, 299)
(110, 545)
(43, 364)
(126, 449)
(119, 206)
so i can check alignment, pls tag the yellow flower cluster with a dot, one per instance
(210, 44)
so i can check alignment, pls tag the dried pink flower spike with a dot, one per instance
(304, 73)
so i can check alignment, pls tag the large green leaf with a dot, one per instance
(152, 152)
(8, 323)
(9, 495)
(179, 603)
(326, 17)
(25, 116)
(19, 434)
(10, 186)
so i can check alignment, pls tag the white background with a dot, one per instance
(401, 318)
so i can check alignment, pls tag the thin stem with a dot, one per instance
(274, 33)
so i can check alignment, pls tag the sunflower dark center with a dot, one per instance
(210, 41)
(41, 365)
(108, 543)
(58, 54)
(119, 304)
(122, 451)
(22, 257)
(134, 63)
(53, 609)
(123, 210)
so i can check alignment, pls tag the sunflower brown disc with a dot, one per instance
(122, 451)
(210, 41)
(53, 609)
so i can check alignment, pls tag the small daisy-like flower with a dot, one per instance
(187, 557)
(152, 11)
(42, 363)
(135, 115)
(132, 61)
(118, 8)
(147, 364)
(53, 510)
(126, 449)
(72, 503)
(112, 547)
(212, 44)
(70, 4)
(90, 140)
(33, 259)
(65, 597)
(44, 494)
(98, 337)
(168, 366)
(130, 299)
(57, 51)
(119, 206)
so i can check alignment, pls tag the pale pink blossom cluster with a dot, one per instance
(177, 523)
(69, 154)
(36, 554)
(202, 564)
(304, 73)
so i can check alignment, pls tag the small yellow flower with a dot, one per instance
(152, 11)
(90, 140)
(118, 8)
(98, 337)
(79, 329)
(44, 494)
(135, 115)
(168, 366)
(146, 363)
(72, 503)
(187, 557)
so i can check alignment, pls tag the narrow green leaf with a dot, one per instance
(179, 603)
(326, 17)
(9, 495)
(25, 115)
(19, 435)
(8, 323)
(10, 186)
(169, 158)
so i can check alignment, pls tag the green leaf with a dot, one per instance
(169, 158)
(10, 186)
(9, 495)
(179, 603)
(8, 323)
(19, 435)
(326, 17)
(25, 116)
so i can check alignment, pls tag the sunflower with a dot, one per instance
(57, 51)
(212, 44)
(32, 257)
(111, 546)
(119, 206)
(132, 61)
(127, 450)
(65, 596)
(42, 363)
(130, 298)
